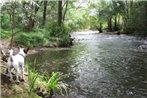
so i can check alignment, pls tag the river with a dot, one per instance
(99, 66)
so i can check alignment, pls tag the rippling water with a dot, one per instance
(99, 66)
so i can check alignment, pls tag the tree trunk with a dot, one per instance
(12, 25)
(100, 28)
(146, 13)
(115, 23)
(65, 10)
(59, 12)
(31, 24)
(119, 26)
(44, 12)
(109, 24)
(31, 21)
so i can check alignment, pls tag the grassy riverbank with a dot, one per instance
(55, 37)
(27, 89)
(13, 89)
(36, 85)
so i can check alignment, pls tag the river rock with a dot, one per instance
(143, 48)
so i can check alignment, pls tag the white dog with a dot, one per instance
(17, 61)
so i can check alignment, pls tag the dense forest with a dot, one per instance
(37, 23)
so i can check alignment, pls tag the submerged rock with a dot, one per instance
(142, 48)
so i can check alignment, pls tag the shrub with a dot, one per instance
(30, 39)
(5, 34)
(62, 33)
(41, 37)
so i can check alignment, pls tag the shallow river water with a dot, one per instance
(99, 66)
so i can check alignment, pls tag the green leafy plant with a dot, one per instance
(55, 84)
(32, 77)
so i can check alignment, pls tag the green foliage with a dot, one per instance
(42, 37)
(53, 30)
(5, 21)
(77, 21)
(62, 33)
(28, 18)
(30, 39)
(55, 84)
(128, 16)
(32, 77)
(52, 84)
(64, 36)
(5, 33)
(58, 31)
(136, 21)
(93, 23)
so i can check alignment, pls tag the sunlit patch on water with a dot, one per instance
(99, 66)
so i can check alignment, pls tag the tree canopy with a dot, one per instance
(60, 16)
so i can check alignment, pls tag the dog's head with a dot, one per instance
(23, 51)
(26, 50)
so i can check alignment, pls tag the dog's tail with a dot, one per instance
(11, 54)
(10, 57)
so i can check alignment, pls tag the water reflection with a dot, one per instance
(99, 66)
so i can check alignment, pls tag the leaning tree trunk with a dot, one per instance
(59, 12)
